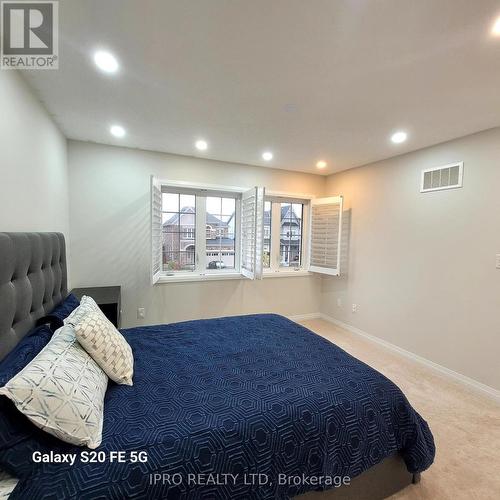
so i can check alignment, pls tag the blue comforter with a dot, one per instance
(215, 401)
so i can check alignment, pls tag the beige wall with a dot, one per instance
(33, 170)
(421, 267)
(110, 235)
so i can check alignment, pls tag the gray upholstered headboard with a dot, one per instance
(33, 280)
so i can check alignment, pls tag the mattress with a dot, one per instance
(235, 407)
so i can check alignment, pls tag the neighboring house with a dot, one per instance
(179, 240)
(290, 237)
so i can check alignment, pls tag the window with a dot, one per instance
(220, 222)
(178, 231)
(182, 214)
(202, 233)
(211, 233)
(291, 234)
(284, 234)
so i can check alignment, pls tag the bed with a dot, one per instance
(238, 407)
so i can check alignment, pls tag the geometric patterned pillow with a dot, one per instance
(62, 391)
(107, 346)
(87, 305)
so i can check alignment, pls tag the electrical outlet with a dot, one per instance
(498, 261)
(141, 313)
(339, 302)
(355, 308)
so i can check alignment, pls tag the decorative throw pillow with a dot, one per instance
(7, 485)
(14, 428)
(107, 346)
(87, 305)
(62, 391)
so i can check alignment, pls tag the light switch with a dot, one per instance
(498, 261)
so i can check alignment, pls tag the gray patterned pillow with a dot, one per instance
(87, 305)
(107, 346)
(62, 391)
(7, 485)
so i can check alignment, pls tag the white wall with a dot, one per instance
(33, 169)
(421, 267)
(110, 235)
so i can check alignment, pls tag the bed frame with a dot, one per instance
(378, 482)
(33, 280)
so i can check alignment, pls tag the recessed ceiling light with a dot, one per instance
(117, 131)
(106, 61)
(321, 164)
(399, 137)
(201, 145)
(267, 156)
(495, 31)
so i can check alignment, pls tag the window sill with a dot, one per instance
(286, 274)
(189, 278)
(186, 278)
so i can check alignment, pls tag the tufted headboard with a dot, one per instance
(33, 280)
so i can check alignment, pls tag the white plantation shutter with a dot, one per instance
(326, 230)
(252, 215)
(259, 233)
(156, 231)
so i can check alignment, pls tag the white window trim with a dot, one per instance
(215, 276)
(285, 273)
(200, 186)
(275, 270)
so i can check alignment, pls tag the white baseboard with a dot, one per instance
(304, 317)
(472, 384)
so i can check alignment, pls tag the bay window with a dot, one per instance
(202, 232)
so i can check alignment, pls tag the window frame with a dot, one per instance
(239, 193)
(201, 192)
(275, 269)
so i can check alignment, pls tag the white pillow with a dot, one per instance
(87, 305)
(107, 346)
(62, 391)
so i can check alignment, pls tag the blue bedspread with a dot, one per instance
(238, 395)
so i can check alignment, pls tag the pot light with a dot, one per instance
(106, 61)
(117, 131)
(201, 145)
(267, 156)
(399, 137)
(321, 164)
(495, 31)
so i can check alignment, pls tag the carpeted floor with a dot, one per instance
(466, 426)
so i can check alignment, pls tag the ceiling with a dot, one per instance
(307, 80)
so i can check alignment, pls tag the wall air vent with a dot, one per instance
(445, 177)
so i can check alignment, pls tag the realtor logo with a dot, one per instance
(29, 35)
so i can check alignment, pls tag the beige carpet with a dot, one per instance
(466, 426)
